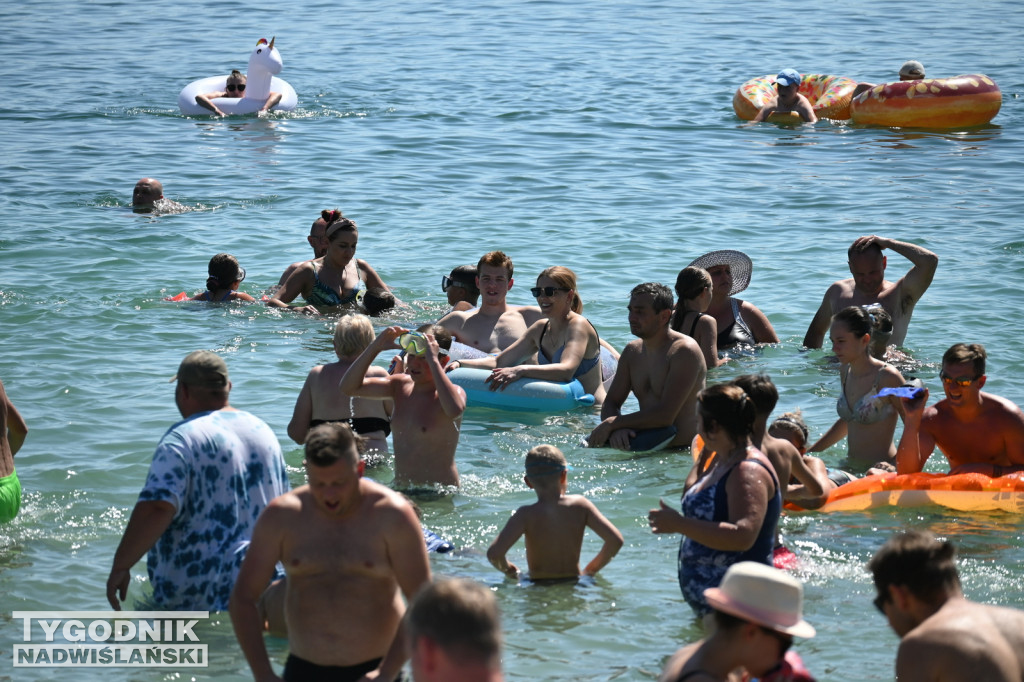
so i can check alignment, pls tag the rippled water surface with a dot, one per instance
(597, 135)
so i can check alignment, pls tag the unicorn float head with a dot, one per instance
(264, 63)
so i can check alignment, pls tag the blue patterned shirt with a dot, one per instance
(219, 469)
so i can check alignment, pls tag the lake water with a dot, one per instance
(597, 135)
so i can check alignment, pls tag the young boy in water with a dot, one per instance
(554, 524)
(428, 407)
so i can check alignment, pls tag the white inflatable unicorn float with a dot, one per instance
(264, 62)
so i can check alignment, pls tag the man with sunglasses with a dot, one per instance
(234, 89)
(943, 636)
(977, 432)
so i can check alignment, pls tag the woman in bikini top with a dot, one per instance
(866, 420)
(333, 280)
(694, 291)
(566, 343)
(320, 401)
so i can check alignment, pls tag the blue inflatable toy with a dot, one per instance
(525, 395)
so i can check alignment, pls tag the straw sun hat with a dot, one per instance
(763, 595)
(738, 262)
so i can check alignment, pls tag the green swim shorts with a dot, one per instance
(10, 497)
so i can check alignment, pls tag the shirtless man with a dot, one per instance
(868, 285)
(148, 197)
(664, 369)
(317, 239)
(977, 432)
(495, 325)
(943, 636)
(13, 430)
(428, 408)
(349, 546)
(788, 99)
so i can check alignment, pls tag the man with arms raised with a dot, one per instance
(350, 547)
(977, 432)
(495, 325)
(664, 369)
(944, 637)
(868, 285)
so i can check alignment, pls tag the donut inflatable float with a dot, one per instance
(963, 492)
(260, 81)
(829, 97)
(958, 102)
(525, 395)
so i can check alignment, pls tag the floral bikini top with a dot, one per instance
(323, 295)
(870, 409)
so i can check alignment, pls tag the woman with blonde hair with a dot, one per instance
(566, 343)
(321, 401)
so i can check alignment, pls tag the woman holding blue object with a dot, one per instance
(566, 343)
(334, 280)
(730, 514)
(866, 419)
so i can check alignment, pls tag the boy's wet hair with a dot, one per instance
(352, 335)
(544, 461)
(496, 259)
(441, 335)
(378, 300)
(792, 422)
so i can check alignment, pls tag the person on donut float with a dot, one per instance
(912, 70)
(235, 90)
(788, 99)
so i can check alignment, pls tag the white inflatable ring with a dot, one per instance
(525, 395)
(264, 62)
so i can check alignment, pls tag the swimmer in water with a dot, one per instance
(222, 284)
(234, 89)
(788, 99)
(553, 525)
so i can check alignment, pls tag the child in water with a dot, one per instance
(554, 524)
(222, 284)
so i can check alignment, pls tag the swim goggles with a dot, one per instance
(415, 343)
(448, 282)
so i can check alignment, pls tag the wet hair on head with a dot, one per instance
(792, 422)
(224, 271)
(352, 335)
(236, 75)
(691, 283)
(545, 461)
(728, 406)
(467, 275)
(920, 562)
(973, 353)
(761, 390)
(461, 617)
(441, 335)
(565, 278)
(660, 294)
(856, 319)
(378, 300)
(872, 248)
(338, 225)
(496, 259)
(333, 442)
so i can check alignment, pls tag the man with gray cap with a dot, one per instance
(788, 99)
(211, 476)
